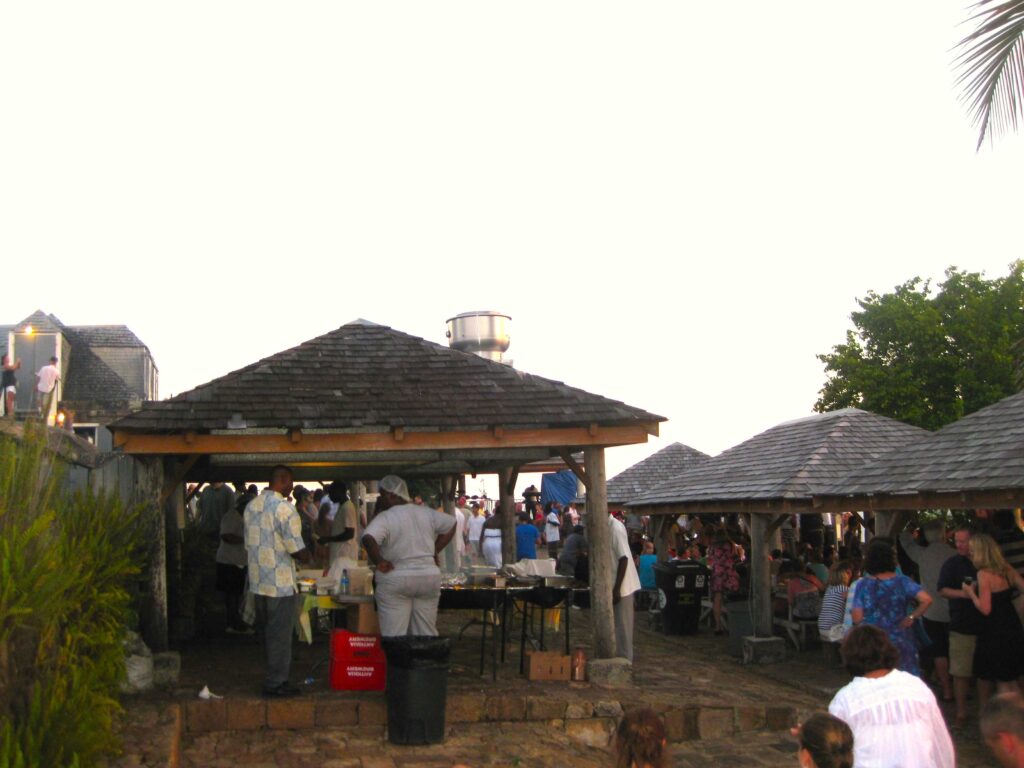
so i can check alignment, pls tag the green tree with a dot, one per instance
(929, 357)
(991, 65)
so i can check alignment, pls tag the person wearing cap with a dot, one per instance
(402, 542)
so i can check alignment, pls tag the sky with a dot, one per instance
(678, 204)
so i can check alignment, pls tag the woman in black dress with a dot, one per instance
(997, 657)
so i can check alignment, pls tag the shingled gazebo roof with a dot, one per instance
(651, 472)
(368, 388)
(977, 461)
(782, 468)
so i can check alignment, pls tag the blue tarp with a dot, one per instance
(558, 486)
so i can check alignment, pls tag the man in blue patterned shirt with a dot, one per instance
(273, 542)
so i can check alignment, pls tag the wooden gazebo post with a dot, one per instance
(507, 504)
(602, 579)
(760, 574)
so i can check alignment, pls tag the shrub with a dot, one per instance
(66, 561)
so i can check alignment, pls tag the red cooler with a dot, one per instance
(357, 662)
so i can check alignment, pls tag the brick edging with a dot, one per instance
(682, 723)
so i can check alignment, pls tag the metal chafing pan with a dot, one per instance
(558, 581)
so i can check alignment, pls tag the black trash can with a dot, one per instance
(417, 688)
(681, 585)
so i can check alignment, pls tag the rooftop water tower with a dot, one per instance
(482, 333)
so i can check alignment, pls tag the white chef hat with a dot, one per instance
(396, 485)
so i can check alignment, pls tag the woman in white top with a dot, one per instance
(894, 717)
(490, 540)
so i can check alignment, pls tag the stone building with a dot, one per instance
(106, 371)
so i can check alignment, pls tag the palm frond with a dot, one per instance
(992, 67)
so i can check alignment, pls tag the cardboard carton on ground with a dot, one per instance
(362, 618)
(547, 665)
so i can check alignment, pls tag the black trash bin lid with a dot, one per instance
(417, 650)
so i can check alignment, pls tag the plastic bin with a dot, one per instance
(417, 688)
(681, 585)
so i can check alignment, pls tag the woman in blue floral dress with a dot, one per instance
(890, 601)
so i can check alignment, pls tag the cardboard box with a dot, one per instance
(357, 662)
(547, 665)
(362, 618)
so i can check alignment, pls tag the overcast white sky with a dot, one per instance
(677, 203)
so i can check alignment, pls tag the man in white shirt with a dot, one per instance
(46, 388)
(552, 530)
(627, 581)
(474, 526)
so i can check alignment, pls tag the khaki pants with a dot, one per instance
(46, 402)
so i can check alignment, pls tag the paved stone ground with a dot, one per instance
(669, 671)
(518, 745)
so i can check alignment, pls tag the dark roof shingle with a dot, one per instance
(653, 471)
(981, 451)
(793, 460)
(364, 375)
(108, 336)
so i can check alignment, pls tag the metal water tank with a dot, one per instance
(481, 333)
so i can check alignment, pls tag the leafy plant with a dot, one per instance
(929, 357)
(65, 564)
(992, 66)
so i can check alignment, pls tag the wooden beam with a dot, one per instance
(447, 559)
(773, 526)
(507, 477)
(602, 575)
(149, 443)
(513, 478)
(178, 478)
(1002, 498)
(760, 577)
(498, 432)
(577, 470)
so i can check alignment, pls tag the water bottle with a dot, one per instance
(344, 582)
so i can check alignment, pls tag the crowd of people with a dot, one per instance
(958, 610)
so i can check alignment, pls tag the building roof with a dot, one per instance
(40, 321)
(93, 388)
(980, 452)
(791, 461)
(89, 379)
(364, 376)
(651, 472)
(108, 336)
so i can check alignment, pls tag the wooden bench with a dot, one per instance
(796, 629)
